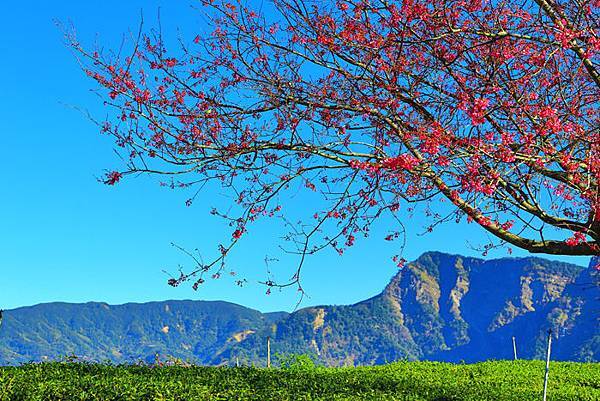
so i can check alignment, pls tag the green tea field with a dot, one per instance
(418, 381)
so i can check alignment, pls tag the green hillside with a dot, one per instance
(406, 381)
(449, 308)
(193, 330)
(439, 307)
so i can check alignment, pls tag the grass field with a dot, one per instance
(521, 380)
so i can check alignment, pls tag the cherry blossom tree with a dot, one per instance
(482, 112)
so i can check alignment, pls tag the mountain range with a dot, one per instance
(438, 307)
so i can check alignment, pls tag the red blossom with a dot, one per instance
(237, 234)
(170, 62)
(401, 162)
(576, 239)
(477, 110)
(113, 177)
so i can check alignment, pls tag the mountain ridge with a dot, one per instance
(438, 307)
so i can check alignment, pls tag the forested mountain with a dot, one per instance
(195, 330)
(439, 307)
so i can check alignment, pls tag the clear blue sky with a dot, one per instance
(66, 237)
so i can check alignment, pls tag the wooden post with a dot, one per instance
(268, 352)
(514, 347)
(547, 364)
(237, 362)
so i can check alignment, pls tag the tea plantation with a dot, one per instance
(418, 381)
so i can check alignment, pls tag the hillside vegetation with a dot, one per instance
(439, 307)
(416, 381)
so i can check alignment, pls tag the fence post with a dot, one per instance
(268, 351)
(547, 364)
(514, 341)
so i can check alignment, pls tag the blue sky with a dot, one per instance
(66, 237)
